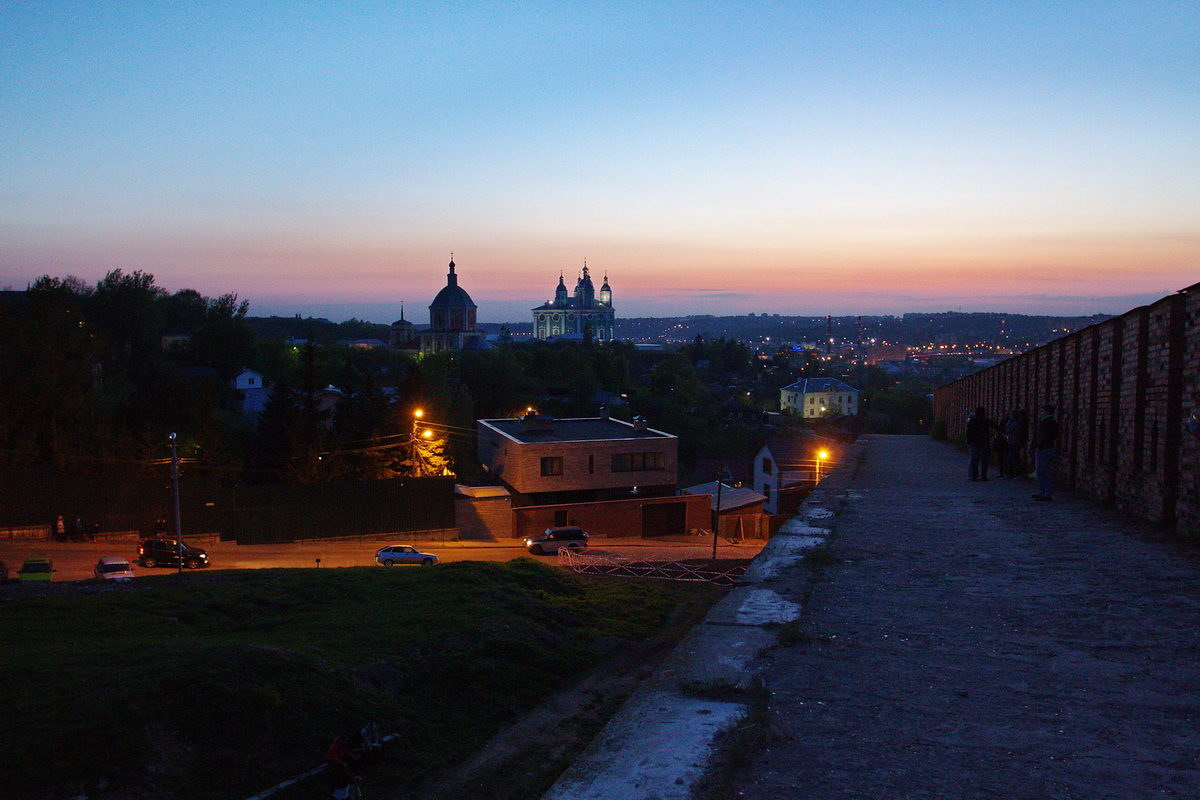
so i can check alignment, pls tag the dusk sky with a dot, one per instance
(721, 158)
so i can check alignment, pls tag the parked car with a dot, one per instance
(404, 554)
(36, 569)
(166, 553)
(554, 539)
(113, 568)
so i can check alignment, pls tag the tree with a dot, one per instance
(127, 313)
(222, 340)
(48, 395)
(277, 427)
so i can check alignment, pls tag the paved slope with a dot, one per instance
(980, 644)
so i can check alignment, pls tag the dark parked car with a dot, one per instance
(552, 539)
(166, 553)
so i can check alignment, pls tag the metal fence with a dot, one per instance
(676, 569)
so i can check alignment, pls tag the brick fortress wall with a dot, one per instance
(1127, 394)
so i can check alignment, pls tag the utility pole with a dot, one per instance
(717, 524)
(175, 490)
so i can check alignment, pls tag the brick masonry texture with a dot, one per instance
(612, 518)
(1127, 393)
(586, 464)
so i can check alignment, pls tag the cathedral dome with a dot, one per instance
(452, 295)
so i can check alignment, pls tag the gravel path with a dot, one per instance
(972, 643)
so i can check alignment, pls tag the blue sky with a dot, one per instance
(711, 157)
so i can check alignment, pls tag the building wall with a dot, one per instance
(484, 518)
(574, 321)
(612, 518)
(1125, 390)
(821, 401)
(519, 465)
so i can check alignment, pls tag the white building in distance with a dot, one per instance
(818, 397)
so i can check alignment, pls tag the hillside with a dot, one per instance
(221, 684)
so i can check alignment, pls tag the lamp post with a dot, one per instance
(821, 456)
(417, 415)
(175, 492)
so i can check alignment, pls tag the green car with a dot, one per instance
(37, 569)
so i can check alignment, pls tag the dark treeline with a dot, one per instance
(95, 378)
(85, 378)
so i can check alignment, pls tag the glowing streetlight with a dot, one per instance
(417, 415)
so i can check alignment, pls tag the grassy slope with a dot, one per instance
(220, 684)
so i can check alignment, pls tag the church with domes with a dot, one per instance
(451, 322)
(577, 316)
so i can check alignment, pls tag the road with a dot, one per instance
(75, 560)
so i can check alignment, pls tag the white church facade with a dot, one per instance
(583, 315)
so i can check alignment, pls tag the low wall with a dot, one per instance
(618, 518)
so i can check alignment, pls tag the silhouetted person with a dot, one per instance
(1045, 443)
(979, 437)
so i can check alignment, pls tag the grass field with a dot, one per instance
(217, 685)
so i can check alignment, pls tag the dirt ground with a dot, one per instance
(525, 758)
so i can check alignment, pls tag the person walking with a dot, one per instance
(1045, 444)
(979, 437)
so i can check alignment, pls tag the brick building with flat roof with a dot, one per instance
(615, 478)
(544, 460)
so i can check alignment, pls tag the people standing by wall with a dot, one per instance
(979, 437)
(1045, 446)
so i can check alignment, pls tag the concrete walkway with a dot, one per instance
(969, 642)
(961, 641)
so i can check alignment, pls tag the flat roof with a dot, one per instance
(585, 429)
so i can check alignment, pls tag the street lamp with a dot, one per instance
(417, 415)
(175, 492)
(822, 455)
